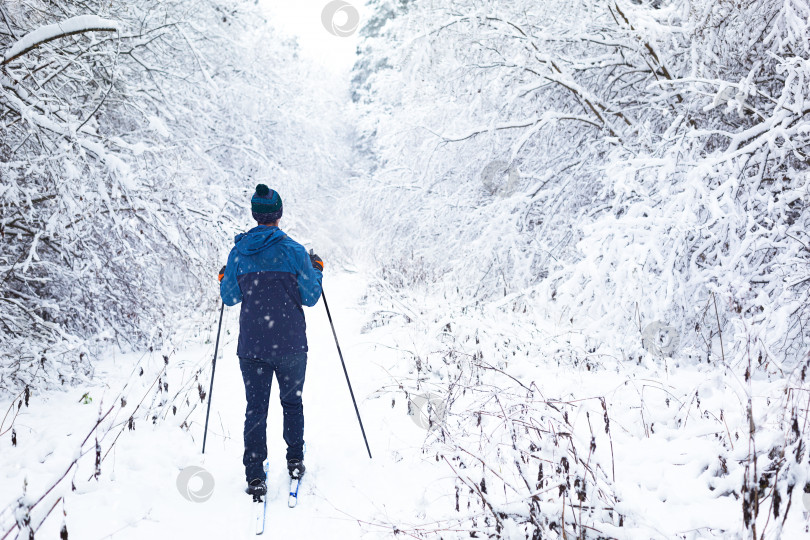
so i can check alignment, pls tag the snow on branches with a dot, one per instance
(68, 27)
(652, 169)
(656, 154)
(125, 161)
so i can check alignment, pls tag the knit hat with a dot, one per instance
(266, 205)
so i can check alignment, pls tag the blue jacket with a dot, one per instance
(272, 275)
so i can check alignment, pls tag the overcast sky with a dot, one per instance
(303, 18)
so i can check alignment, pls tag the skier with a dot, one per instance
(273, 276)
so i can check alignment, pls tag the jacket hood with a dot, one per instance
(258, 239)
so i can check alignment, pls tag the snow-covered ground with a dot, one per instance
(670, 466)
(345, 495)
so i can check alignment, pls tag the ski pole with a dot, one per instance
(213, 371)
(356, 410)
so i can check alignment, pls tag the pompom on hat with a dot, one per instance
(266, 205)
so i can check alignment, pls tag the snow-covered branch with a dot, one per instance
(74, 25)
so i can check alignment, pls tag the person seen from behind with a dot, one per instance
(273, 277)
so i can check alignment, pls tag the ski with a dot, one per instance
(260, 505)
(296, 474)
(260, 512)
(295, 483)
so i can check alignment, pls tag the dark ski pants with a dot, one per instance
(257, 375)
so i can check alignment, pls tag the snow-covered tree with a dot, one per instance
(651, 150)
(619, 165)
(131, 135)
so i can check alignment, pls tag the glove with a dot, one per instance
(221, 274)
(317, 262)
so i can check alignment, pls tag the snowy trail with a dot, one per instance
(344, 494)
(673, 475)
(342, 484)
